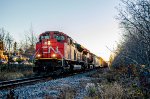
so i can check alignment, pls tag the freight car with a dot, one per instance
(56, 51)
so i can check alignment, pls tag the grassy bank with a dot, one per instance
(15, 71)
(114, 84)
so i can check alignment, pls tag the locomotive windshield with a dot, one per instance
(59, 37)
(45, 36)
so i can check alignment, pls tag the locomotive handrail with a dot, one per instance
(35, 54)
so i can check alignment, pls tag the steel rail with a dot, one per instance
(12, 83)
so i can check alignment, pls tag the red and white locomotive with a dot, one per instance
(57, 51)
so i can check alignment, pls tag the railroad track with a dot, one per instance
(17, 82)
(10, 84)
(13, 83)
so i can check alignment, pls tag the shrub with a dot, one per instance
(10, 75)
(91, 89)
(15, 71)
(105, 91)
(112, 91)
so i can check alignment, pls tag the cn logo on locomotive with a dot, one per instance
(49, 49)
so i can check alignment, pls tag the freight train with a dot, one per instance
(56, 51)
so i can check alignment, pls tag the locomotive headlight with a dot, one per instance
(38, 55)
(49, 43)
(53, 55)
(45, 43)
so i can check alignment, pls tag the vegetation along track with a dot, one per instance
(17, 82)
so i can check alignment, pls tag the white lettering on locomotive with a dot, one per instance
(49, 49)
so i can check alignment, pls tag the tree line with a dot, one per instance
(134, 48)
(22, 47)
(134, 18)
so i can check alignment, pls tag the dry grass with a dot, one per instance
(114, 84)
(91, 89)
(66, 92)
(104, 91)
(27, 73)
(15, 71)
(10, 75)
(112, 91)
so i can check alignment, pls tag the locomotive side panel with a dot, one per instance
(70, 52)
(73, 53)
(79, 56)
(67, 52)
(96, 61)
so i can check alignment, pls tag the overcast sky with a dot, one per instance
(91, 23)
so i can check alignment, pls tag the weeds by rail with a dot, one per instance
(15, 71)
(105, 84)
(117, 84)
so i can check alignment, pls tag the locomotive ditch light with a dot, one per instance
(45, 43)
(53, 55)
(48, 43)
(38, 55)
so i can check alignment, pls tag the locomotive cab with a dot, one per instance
(50, 45)
(50, 51)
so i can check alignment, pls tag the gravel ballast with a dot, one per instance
(53, 89)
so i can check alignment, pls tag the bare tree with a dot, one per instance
(30, 42)
(134, 17)
(2, 37)
(24, 44)
(6, 38)
(31, 37)
(2, 34)
(15, 47)
(9, 42)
